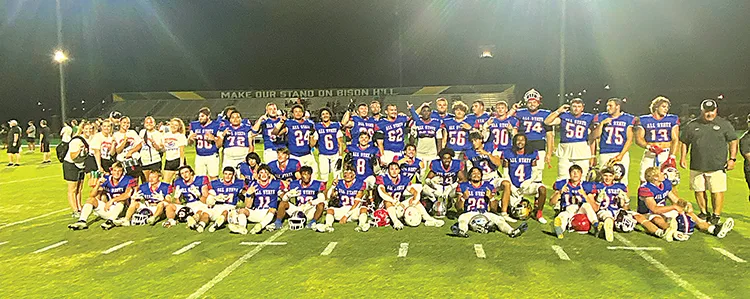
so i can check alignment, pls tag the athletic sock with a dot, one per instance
(242, 220)
(712, 230)
(329, 220)
(267, 219)
(86, 211)
(362, 219)
(278, 222)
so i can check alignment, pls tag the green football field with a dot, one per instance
(40, 257)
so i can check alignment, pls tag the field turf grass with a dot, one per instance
(34, 214)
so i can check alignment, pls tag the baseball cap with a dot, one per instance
(708, 105)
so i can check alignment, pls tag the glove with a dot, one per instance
(137, 196)
(158, 196)
(655, 149)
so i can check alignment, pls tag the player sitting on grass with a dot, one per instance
(148, 202)
(364, 156)
(248, 168)
(309, 197)
(444, 176)
(659, 218)
(575, 197)
(473, 199)
(262, 202)
(223, 197)
(613, 199)
(346, 202)
(393, 188)
(108, 199)
(284, 168)
(193, 190)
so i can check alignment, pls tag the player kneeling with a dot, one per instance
(193, 193)
(576, 198)
(392, 187)
(108, 198)
(346, 203)
(662, 220)
(472, 200)
(613, 203)
(148, 202)
(261, 203)
(309, 196)
(223, 197)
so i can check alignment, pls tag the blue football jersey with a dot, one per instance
(501, 131)
(286, 171)
(204, 147)
(659, 130)
(362, 125)
(308, 192)
(609, 201)
(458, 136)
(247, 172)
(481, 161)
(659, 193)
(394, 187)
(362, 159)
(615, 133)
(476, 121)
(409, 168)
(114, 188)
(298, 136)
(575, 129)
(348, 192)
(437, 116)
(520, 165)
(188, 190)
(230, 190)
(532, 124)
(425, 128)
(239, 136)
(267, 196)
(150, 192)
(573, 195)
(328, 142)
(478, 195)
(270, 141)
(448, 175)
(394, 132)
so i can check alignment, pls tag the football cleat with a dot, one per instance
(363, 228)
(257, 228)
(397, 225)
(609, 226)
(322, 228)
(669, 232)
(76, 215)
(680, 236)
(212, 227)
(724, 228)
(434, 223)
(519, 230)
(507, 217)
(191, 223)
(714, 219)
(107, 225)
(78, 225)
(121, 222)
(151, 220)
(558, 227)
(169, 223)
(458, 232)
(200, 227)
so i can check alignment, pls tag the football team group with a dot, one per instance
(396, 169)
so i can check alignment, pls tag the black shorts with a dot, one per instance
(30, 139)
(14, 149)
(152, 166)
(45, 147)
(536, 145)
(172, 165)
(71, 172)
(90, 164)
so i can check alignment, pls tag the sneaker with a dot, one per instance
(609, 226)
(76, 214)
(169, 223)
(558, 227)
(191, 223)
(200, 227)
(212, 227)
(151, 220)
(257, 228)
(397, 225)
(519, 230)
(540, 217)
(434, 223)
(78, 225)
(508, 218)
(680, 236)
(10, 164)
(714, 219)
(669, 232)
(107, 225)
(702, 216)
(724, 228)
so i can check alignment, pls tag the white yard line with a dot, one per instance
(228, 270)
(118, 247)
(560, 253)
(676, 278)
(634, 248)
(33, 218)
(730, 255)
(403, 250)
(33, 179)
(3, 243)
(479, 251)
(263, 243)
(58, 244)
(186, 248)
(329, 248)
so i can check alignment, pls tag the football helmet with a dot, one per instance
(522, 210)
(183, 213)
(532, 94)
(412, 216)
(672, 174)
(619, 170)
(141, 217)
(624, 222)
(400, 210)
(580, 223)
(479, 223)
(438, 209)
(594, 175)
(380, 218)
(297, 221)
(685, 224)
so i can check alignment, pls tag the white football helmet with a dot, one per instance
(532, 94)
(141, 217)
(479, 223)
(400, 210)
(624, 222)
(412, 216)
(672, 174)
(297, 221)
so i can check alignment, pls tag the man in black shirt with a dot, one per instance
(709, 138)
(14, 143)
(44, 137)
(745, 150)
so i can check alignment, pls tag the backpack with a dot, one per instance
(62, 149)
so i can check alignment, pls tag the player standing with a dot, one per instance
(266, 124)
(574, 147)
(500, 128)
(659, 135)
(203, 132)
(237, 141)
(540, 137)
(298, 133)
(457, 130)
(426, 130)
(329, 140)
(390, 133)
(614, 129)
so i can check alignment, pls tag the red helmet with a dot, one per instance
(580, 223)
(381, 217)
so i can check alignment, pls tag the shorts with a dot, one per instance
(668, 215)
(45, 147)
(257, 215)
(650, 160)
(527, 188)
(207, 165)
(152, 167)
(14, 149)
(172, 165)
(714, 181)
(30, 139)
(197, 206)
(573, 151)
(308, 209)
(71, 172)
(339, 213)
(112, 214)
(217, 210)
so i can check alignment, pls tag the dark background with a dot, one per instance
(687, 50)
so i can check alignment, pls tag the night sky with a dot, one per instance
(684, 49)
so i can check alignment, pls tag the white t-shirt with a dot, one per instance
(74, 146)
(104, 144)
(172, 144)
(66, 133)
(149, 154)
(132, 139)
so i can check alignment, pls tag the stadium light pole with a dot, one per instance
(60, 58)
(561, 98)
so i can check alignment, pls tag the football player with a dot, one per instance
(660, 219)
(473, 199)
(364, 157)
(574, 147)
(153, 195)
(249, 168)
(262, 202)
(284, 168)
(486, 161)
(193, 189)
(346, 202)
(266, 124)
(298, 132)
(457, 130)
(540, 137)
(612, 199)
(479, 117)
(500, 128)
(426, 133)
(575, 197)
(390, 133)
(411, 166)
(360, 123)
(518, 163)
(444, 176)
(441, 112)
(203, 132)
(376, 111)
(108, 199)
(329, 141)
(223, 197)
(392, 190)
(237, 141)
(659, 135)
(309, 195)
(614, 129)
